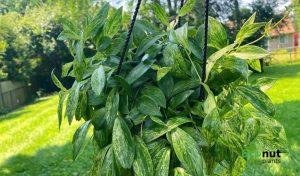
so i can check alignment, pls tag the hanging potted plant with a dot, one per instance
(155, 104)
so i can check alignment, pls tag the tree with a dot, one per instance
(28, 40)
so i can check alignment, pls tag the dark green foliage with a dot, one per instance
(148, 120)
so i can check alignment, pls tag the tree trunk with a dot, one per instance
(237, 14)
(170, 7)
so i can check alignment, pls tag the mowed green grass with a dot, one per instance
(31, 144)
(285, 94)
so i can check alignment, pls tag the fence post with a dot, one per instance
(11, 99)
(2, 98)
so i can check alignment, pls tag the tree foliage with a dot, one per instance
(149, 120)
(29, 48)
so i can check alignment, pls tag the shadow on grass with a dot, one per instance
(21, 110)
(287, 113)
(53, 160)
(13, 115)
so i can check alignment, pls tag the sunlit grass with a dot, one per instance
(31, 143)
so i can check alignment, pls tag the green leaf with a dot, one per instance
(160, 13)
(78, 63)
(136, 117)
(178, 171)
(250, 20)
(109, 166)
(210, 102)
(211, 125)
(187, 7)
(195, 133)
(182, 86)
(247, 31)
(250, 52)
(156, 131)
(100, 158)
(258, 99)
(187, 152)
(180, 98)
(81, 109)
(255, 65)
(70, 32)
(162, 72)
(251, 129)
(72, 101)
(162, 162)
(236, 65)
(122, 144)
(264, 83)
(138, 71)
(98, 80)
(232, 140)
(57, 82)
(102, 137)
(172, 57)
(148, 106)
(217, 34)
(155, 146)
(79, 138)
(157, 120)
(146, 44)
(155, 94)
(239, 166)
(142, 165)
(216, 56)
(62, 96)
(166, 84)
(97, 22)
(66, 69)
(112, 106)
(113, 23)
(103, 43)
(119, 81)
(98, 118)
(180, 36)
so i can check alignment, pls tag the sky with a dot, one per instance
(245, 2)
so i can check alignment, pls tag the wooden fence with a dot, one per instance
(12, 95)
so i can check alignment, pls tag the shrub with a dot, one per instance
(148, 119)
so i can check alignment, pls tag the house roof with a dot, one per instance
(285, 27)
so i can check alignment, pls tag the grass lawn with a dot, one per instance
(31, 144)
(285, 94)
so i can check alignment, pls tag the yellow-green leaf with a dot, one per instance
(142, 165)
(187, 7)
(186, 150)
(98, 80)
(79, 138)
(122, 144)
(160, 13)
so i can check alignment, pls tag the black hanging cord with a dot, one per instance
(129, 35)
(180, 18)
(202, 94)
